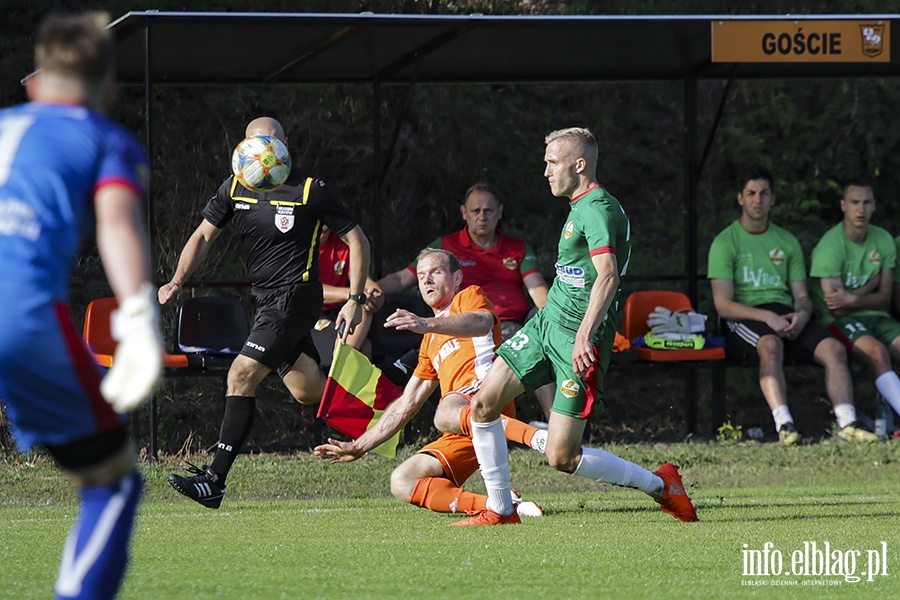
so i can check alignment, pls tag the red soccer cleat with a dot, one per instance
(489, 517)
(674, 499)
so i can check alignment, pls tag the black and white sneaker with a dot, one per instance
(203, 487)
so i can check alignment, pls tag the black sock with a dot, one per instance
(236, 426)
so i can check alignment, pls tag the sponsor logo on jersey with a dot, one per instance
(241, 206)
(467, 262)
(568, 230)
(448, 348)
(19, 219)
(339, 267)
(511, 263)
(776, 255)
(255, 346)
(874, 257)
(760, 278)
(573, 276)
(570, 388)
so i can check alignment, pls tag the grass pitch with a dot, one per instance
(296, 527)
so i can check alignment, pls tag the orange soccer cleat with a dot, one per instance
(489, 517)
(674, 500)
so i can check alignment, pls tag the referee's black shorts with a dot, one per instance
(281, 324)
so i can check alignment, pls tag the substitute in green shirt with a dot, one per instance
(758, 280)
(852, 269)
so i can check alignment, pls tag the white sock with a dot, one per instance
(782, 415)
(845, 414)
(889, 385)
(493, 459)
(605, 467)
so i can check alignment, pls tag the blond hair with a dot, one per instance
(77, 47)
(580, 141)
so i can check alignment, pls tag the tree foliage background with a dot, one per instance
(812, 134)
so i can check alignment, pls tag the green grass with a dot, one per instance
(296, 527)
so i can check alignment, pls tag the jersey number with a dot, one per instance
(11, 132)
(518, 341)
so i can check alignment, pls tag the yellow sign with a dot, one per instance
(801, 41)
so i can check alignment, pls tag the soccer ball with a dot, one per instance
(261, 163)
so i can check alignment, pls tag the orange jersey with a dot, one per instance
(460, 363)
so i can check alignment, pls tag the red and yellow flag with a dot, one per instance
(356, 394)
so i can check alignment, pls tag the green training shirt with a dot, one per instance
(836, 255)
(761, 266)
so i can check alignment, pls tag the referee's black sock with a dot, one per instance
(236, 426)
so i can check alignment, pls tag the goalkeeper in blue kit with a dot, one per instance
(65, 168)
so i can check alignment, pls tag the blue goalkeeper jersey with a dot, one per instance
(53, 160)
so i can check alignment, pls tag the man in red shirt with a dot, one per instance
(503, 266)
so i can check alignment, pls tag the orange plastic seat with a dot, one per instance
(98, 337)
(638, 307)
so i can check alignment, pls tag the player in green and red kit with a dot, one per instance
(758, 279)
(568, 343)
(853, 263)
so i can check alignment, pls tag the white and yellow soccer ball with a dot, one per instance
(261, 163)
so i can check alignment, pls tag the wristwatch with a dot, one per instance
(360, 298)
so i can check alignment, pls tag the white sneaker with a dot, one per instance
(526, 509)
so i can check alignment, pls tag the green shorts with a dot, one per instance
(541, 353)
(882, 328)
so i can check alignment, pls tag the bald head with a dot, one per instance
(266, 126)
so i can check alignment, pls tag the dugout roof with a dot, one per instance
(229, 48)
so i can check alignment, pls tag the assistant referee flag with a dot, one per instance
(356, 394)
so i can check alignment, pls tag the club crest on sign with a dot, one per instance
(872, 40)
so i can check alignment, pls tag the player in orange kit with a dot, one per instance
(456, 352)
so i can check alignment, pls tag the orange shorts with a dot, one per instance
(456, 453)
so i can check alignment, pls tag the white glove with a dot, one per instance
(137, 363)
(663, 320)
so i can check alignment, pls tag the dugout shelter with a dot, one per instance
(195, 48)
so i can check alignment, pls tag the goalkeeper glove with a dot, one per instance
(137, 363)
(674, 341)
(663, 320)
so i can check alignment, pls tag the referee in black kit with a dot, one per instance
(279, 232)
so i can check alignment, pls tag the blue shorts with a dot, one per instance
(49, 383)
